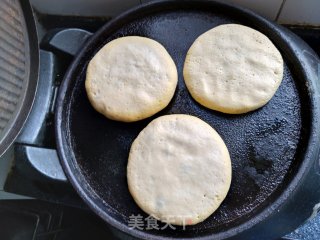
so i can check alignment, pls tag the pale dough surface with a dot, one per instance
(131, 78)
(179, 169)
(233, 69)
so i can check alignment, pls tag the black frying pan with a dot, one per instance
(274, 150)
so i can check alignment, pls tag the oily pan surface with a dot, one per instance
(262, 144)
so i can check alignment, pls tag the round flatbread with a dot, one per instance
(233, 69)
(179, 169)
(131, 78)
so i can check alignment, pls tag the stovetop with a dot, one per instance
(35, 169)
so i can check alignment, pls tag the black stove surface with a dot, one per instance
(37, 172)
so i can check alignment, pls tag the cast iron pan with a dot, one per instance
(272, 149)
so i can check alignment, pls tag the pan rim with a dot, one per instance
(310, 152)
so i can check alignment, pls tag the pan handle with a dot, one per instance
(34, 135)
(32, 138)
(68, 41)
